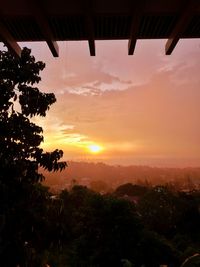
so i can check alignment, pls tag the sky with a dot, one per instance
(142, 109)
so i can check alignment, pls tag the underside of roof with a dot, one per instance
(51, 21)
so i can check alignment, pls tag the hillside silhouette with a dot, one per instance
(108, 177)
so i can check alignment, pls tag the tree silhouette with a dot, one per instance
(20, 138)
(20, 153)
(130, 190)
(159, 209)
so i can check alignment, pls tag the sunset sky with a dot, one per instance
(142, 109)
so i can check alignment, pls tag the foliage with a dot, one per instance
(160, 210)
(130, 190)
(155, 250)
(22, 200)
(19, 100)
(77, 227)
(104, 229)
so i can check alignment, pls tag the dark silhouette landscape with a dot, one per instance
(84, 214)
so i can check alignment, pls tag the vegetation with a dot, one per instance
(137, 225)
(22, 198)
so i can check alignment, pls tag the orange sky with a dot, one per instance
(141, 109)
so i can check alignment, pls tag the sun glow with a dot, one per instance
(94, 148)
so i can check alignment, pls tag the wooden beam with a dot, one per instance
(42, 22)
(133, 38)
(87, 9)
(9, 41)
(91, 43)
(45, 29)
(182, 23)
(170, 45)
(135, 23)
(90, 32)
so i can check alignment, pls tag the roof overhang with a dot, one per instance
(61, 20)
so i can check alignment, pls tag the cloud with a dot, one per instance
(74, 138)
(161, 116)
(137, 107)
(85, 90)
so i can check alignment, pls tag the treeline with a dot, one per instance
(134, 226)
(103, 177)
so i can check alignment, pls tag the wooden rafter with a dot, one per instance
(42, 22)
(90, 32)
(181, 25)
(9, 41)
(135, 23)
(90, 27)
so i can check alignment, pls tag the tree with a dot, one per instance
(130, 190)
(20, 138)
(159, 209)
(105, 230)
(154, 250)
(20, 151)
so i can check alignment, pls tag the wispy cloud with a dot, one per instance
(137, 107)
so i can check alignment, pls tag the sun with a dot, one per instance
(95, 148)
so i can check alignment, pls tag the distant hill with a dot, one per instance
(114, 175)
